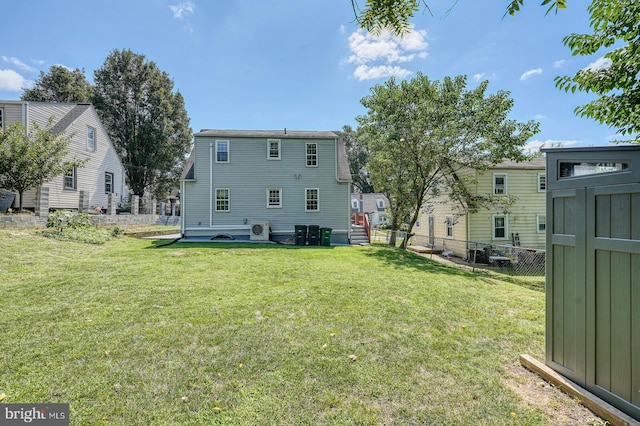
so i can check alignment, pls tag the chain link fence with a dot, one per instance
(507, 260)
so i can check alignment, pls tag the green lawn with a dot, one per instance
(127, 333)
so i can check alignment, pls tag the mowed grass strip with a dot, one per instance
(243, 334)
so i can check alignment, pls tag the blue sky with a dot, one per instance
(304, 64)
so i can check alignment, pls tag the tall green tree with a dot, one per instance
(146, 120)
(31, 157)
(617, 81)
(60, 84)
(422, 134)
(358, 157)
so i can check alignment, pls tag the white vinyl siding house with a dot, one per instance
(89, 141)
(275, 177)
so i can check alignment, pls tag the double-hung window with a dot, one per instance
(222, 151)
(542, 182)
(499, 184)
(274, 198)
(108, 183)
(448, 222)
(71, 179)
(500, 227)
(273, 149)
(312, 202)
(312, 155)
(541, 221)
(91, 139)
(222, 200)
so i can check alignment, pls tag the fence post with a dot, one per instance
(475, 252)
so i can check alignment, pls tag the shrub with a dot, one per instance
(61, 219)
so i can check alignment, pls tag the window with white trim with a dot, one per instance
(108, 183)
(448, 223)
(312, 200)
(221, 201)
(91, 139)
(71, 179)
(312, 154)
(541, 223)
(274, 198)
(355, 204)
(273, 149)
(222, 151)
(542, 182)
(499, 184)
(500, 230)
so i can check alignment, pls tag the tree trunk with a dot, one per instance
(21, 197)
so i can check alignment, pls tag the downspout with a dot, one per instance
(210, 184)
(182, 203)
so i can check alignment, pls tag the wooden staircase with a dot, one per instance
(359, 235)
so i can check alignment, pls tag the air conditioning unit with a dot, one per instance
(259, 231)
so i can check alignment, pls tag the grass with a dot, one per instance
(127, 333)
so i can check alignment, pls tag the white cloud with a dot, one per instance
(559, 63)
(376, 54)
(536, 145)
(342, 29)
(530, 73)
(539, 117)
(479, 76)
(180, 11)
(365, 72)
(11, 81)
(599, 64)
(18, 63)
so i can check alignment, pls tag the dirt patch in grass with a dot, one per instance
(560, 408)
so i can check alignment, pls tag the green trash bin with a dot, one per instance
(313, 236)
(325, 236)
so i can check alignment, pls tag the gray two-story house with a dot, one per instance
(260, 184)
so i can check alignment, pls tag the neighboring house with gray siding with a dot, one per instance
(101, 175)
(260, 184)
(373, 205)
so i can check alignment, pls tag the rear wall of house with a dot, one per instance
(249, 174)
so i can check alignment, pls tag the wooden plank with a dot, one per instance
(599, 407)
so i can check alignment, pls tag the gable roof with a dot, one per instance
(69, 118)
(538, 163)
(280, 134)
(370, 201)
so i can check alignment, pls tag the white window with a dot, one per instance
(91, 139)
(273, 149)
(70, 179)
(499, 184)
(448, 223)
(108, 183)
(500, 230)
(1, 118)
(274, 198)
(222, 151)
(355, 204)
(222, 200)
(541, 221)
(542, 182)
(312, 203)
(312, 155)
(380, 203)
